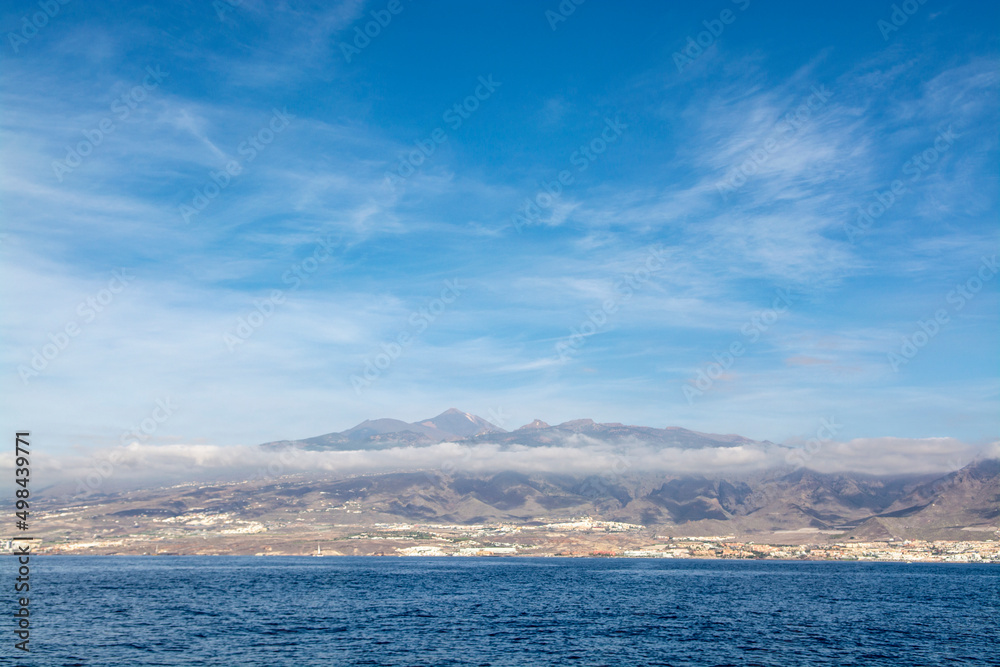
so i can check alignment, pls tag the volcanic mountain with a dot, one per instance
(453, 425)
(778, 499)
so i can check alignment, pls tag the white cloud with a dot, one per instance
(137, 464)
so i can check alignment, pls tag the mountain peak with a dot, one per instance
(457, 423)
(538, 423)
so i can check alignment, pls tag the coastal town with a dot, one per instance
(222, 534)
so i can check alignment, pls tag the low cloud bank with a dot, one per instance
(143, 464)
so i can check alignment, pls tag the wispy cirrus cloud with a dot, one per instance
(657, 186)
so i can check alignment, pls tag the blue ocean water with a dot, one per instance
(161, 610)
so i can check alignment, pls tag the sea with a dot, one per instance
(303, 611)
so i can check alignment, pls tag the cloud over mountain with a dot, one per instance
(578, 447)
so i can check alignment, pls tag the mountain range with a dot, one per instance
(453, 425)
(964, 504)
(961, 504)
(769, 507)
(775, 503)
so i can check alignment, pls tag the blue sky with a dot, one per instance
(553, 312)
